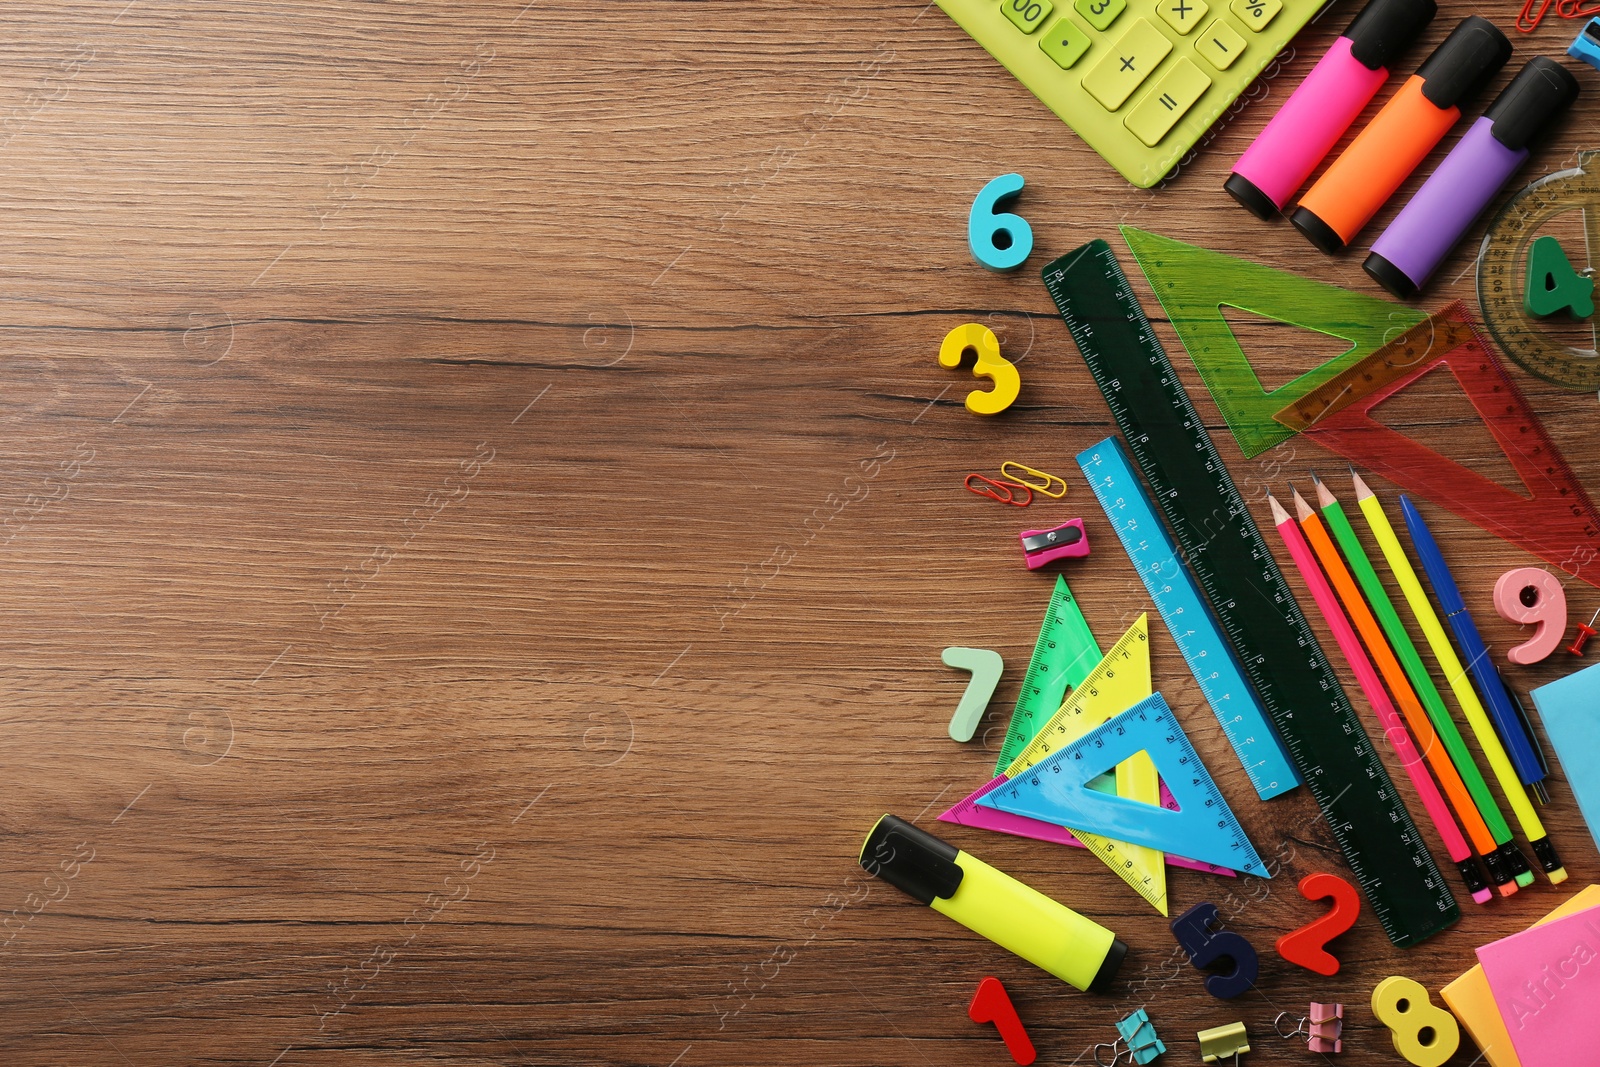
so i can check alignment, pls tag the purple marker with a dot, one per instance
(1317, 113)
(1452, 198)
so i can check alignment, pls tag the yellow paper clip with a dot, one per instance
(1049, 479)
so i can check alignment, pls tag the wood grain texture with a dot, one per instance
(484, 513)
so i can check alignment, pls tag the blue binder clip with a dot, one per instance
(1138, 1042)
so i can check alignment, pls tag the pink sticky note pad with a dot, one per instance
(1546, 983)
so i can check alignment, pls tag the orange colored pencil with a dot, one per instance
(1395, 677)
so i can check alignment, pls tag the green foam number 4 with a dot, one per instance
(1553, 285)
(1194, 284)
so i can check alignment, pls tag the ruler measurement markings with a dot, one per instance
(1363, 827)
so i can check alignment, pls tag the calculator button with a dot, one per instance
(1129, 62)
(1181, 15)
(1100, 13)
(1027, 14)
(1219, 45)
(1065, 44)
(1255, 14)
(1173, 95)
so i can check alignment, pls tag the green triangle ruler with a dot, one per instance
(1063, 656)
(1056, 790)
(1120, 680)
(1194, 284)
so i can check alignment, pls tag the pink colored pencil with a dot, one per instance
(1393, 727)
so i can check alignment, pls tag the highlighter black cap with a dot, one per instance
(1386, 28)
(911, 860)
(1463, 62)
(1541, 92)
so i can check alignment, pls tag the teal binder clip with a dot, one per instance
(1138, 1042)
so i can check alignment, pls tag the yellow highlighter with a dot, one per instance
(1014, 916)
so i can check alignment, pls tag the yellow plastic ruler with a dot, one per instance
(1119, 681)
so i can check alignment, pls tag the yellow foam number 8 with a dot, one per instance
(981, 339)
(1423, 1033)
(998, 239)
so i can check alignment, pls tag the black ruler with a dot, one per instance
(1253, 604)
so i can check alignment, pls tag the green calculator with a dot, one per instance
(1139, 80)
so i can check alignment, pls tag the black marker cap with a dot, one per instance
(1389, 276)
(1386, 28)
(911, 860)
(1244, 190)
(1317, 232)
(1541, 92)
(1463, 62)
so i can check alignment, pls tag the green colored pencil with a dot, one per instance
(1421, 680)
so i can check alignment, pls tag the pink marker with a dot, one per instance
(1394, 729)
(1317, 114)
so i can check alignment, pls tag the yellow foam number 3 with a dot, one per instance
(991, 365)
(1424, 1034)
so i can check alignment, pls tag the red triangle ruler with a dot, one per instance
(1555, 520)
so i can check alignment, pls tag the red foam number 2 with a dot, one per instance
(990, 1004)
(1305, 945)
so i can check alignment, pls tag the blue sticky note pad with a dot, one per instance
(1570, 709)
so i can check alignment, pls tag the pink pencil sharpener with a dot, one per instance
(1067, 541)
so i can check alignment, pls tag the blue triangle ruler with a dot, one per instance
(1209, 656)
(1057, 790)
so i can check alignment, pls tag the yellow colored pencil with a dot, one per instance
(1456, 675)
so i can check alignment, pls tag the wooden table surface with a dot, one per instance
(484, 515)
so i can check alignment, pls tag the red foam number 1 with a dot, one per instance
(1305, 945)
(990, 1004)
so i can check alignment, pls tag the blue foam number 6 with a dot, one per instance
(1205, 946)
(999, 241)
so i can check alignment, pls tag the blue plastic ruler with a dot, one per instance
(1233, 565)
(1120, 492)
(1056, 790)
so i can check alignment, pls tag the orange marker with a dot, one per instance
(1400, 136)
(1395, 677)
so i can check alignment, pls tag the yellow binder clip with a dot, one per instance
(1047, 481)
(1220, 1042)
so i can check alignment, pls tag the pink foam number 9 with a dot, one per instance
(1530, 595)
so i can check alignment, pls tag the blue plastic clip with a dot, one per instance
(1138, 1042)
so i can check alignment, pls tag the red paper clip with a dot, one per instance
(995, 488)
(1575, 9)
(1528, 19)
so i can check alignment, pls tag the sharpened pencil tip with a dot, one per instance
(1302, 510)
(1325, 496)
(1362, 489)
(1279, 516)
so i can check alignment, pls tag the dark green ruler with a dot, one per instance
(1253, 604)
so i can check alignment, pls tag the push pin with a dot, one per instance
(1321, 1028)
(1584, 633)
(1138, 1042)
(1221, 1042)
(1063, 542)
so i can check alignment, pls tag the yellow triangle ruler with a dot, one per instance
(1119, 681)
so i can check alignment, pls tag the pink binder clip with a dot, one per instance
(1067, 541)
(1321, 1028)
(1327, 1022)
